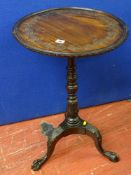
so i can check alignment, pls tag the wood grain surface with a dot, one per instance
(70, 32)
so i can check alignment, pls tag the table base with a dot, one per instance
(72, 124)
(65, 129)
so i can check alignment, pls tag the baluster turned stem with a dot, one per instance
(72, 87)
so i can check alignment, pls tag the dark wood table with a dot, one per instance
(71, 33)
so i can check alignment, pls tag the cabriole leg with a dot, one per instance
(53, 134)
(95, 134)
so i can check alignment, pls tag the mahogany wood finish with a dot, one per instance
(71, 32)
(81, 32)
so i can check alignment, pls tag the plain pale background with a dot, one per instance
(33, 85)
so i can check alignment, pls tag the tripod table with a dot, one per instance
(73, 33)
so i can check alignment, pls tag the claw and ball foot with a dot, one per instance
(38, 163)
(54, 134)
(111, 156)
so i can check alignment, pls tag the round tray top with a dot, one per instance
(71, 32)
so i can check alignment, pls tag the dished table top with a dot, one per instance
(70, 32)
